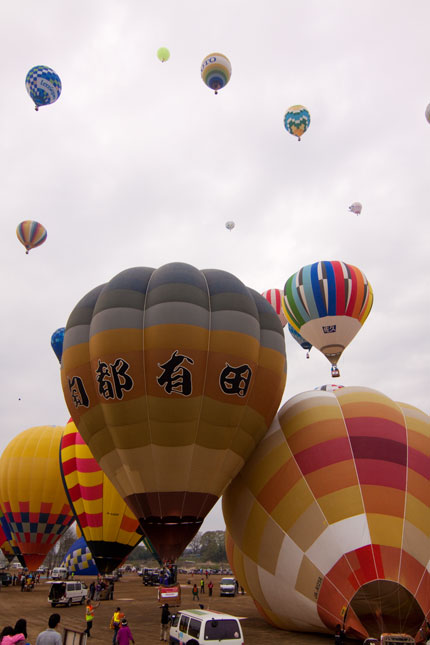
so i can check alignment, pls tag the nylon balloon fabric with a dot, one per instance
(32, 496)
(43, 85)
(109, 527)
(328, 303)
(329, 521)
(79, 559)
(172, 376)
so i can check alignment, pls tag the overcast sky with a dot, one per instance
(138, 164)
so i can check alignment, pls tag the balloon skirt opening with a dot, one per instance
(386, 606)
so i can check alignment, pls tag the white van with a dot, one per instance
(199, 626)
(227, 587)
(59, 573)
(67, 593)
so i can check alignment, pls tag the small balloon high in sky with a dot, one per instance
(216, 71)
(43, 85)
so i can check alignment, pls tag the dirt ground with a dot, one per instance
(140, 605)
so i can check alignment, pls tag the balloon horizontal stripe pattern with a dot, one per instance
(216, 71)
(202, 369)
(103, 517)
(333, 508)
(32, 497)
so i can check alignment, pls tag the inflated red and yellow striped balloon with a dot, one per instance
(329, 521)
(109, 527)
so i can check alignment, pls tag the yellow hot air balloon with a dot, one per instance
(172, 376)
(32, 496)
(329, 521)
(109, 527)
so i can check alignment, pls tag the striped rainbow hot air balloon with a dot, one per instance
(31, 234)
(109, 527)
(329, 521)
(172, 376)
(32, 497)
(327, 303)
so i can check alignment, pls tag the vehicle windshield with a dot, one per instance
(57, 591)
(221, 629)
(227, 581)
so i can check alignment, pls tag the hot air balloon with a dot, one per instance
(31, 234)
(230, 225)
(297, 120)
(329, 520)
(163, 54)
(57, 339)
(300, 340)
(11, 546)
(172, 376)
(216, 71)
(355, 208)
(43, 85)
(427, 113)
(275, 296)
(32, 497)
(109, 527)
(5, 545)
(329, 387)
(79, 559)
(327, 303)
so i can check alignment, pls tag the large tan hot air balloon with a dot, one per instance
(172, 376)
(32, 496)
(329, 520)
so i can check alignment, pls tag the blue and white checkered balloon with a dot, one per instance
(43, 85)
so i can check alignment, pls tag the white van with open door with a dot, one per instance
(67, 593)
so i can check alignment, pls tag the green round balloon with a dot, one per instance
(163, 54)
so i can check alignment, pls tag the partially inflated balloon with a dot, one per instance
(31, 234)
(328, 303)
(172, 376)
(216, 71)
(275, 296)
(108, 526)
(163, 54)
(43, 85)
(329, 521)
(297, 120)
(306, 345)
(79, 559)
(57, 339)
(32, 497)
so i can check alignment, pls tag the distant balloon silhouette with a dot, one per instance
(356, 208)
(163, 54)
(230, 225)
(297, 120)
